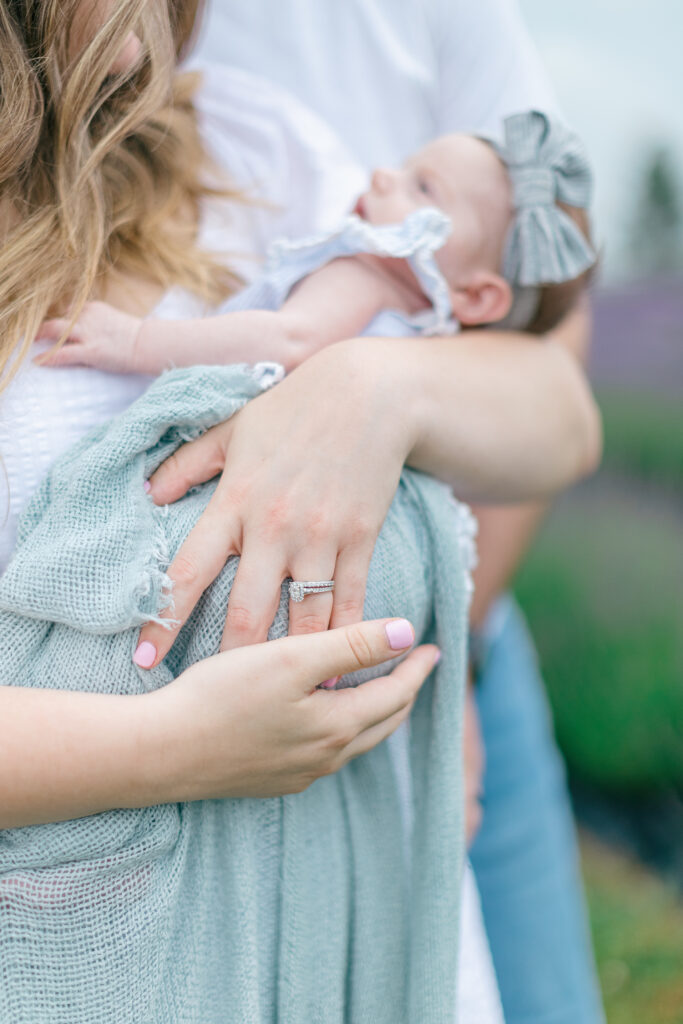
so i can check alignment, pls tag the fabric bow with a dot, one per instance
(546, 163)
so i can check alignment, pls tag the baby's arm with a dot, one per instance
(333, 303)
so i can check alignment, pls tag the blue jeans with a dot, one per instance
(525, 857)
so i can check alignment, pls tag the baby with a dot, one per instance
(463, 232)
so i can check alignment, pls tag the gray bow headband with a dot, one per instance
(546, 163)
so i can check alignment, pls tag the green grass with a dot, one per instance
(637, 926)
(603, 590)
(644, 435)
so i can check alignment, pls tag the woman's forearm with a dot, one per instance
(244, 723)
(499, 416)
(506, 532)
(65, 754)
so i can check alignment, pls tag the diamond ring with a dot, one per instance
(298, 590)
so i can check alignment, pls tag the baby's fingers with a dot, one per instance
(63, 355)
(55, 330)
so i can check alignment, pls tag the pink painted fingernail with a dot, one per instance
(400, 634)
(145, 654)
(147, 486)
(437, 658)
(329, 683)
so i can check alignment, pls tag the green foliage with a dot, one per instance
(644, 435)
(603, 590)
(637, 926)
(657, 237)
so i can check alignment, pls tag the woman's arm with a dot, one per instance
(506, 531)
(247, 723)
(500, 416)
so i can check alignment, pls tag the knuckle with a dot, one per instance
(310, 623)
(360, 528)
(185, 571)
(344, 732)
(276, 518)
(215, 450)
(349, 608)
(360, 645)
(241, 620)
(173, 471)
(318, 525)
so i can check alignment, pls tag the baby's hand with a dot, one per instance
(102, 337)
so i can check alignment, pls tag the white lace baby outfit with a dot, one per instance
(416, 239)
(269, 141)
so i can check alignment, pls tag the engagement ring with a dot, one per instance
(298, 590)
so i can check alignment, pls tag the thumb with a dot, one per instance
(194, 463)
(314, 657)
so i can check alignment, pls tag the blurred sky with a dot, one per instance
(617, 66)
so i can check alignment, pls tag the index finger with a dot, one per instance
(193, 463)
(196, 565)
(375, 702)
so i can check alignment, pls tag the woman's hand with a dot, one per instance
(252, 722)
(309, 470)
(245, 723)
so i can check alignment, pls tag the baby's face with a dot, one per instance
(463, 177)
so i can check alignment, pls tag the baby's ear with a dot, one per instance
(484, 299)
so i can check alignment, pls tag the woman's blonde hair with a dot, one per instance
(98, 170)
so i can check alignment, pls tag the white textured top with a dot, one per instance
(272, 147)
(387, 75)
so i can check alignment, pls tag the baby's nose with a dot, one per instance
(383, 179)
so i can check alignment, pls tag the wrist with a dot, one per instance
(146, 355)
(388, 368)
(176, 752)
(161, 744)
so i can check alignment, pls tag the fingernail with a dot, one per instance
(437, 659)
(147, 486)
(399, 634)
(145, 654)
(329, 683)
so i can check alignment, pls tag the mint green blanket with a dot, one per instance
(296, 910)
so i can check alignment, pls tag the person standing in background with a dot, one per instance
(388, 75)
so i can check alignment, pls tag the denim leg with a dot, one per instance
(525, 856)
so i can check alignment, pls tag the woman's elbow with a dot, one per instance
(585, 439)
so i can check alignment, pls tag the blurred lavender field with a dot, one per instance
(638, 341)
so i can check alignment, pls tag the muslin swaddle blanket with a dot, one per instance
(295, 910)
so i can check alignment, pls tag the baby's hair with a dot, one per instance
(557, 300)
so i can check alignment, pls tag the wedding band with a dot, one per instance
(298, 590)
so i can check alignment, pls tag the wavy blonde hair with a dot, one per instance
(99, 171)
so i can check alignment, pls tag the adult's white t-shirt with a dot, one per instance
(387, 75)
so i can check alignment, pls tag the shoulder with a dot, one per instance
(275, 149)
(488, 65)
